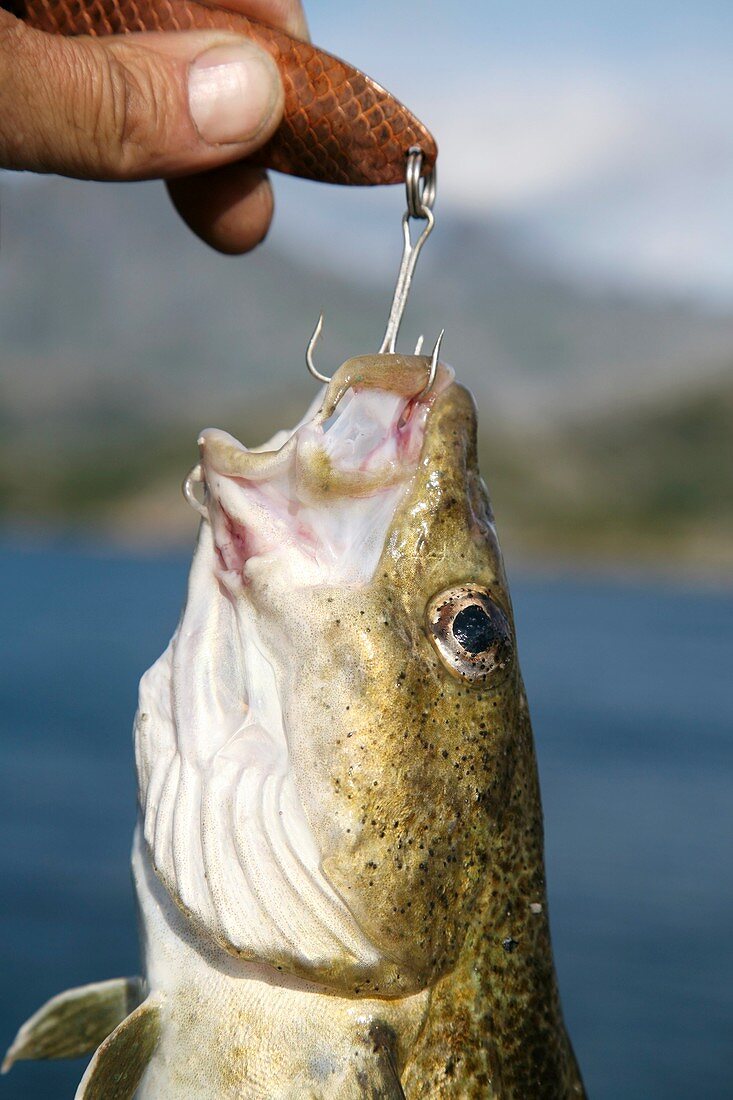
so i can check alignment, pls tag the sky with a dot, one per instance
(602, 131)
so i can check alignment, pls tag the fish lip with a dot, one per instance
(402, 376)
(407, 375)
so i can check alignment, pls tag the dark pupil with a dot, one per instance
(473, 629)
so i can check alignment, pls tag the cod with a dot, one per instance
(339, 854)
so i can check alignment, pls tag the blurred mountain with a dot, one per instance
(650, 486)
(606, 417)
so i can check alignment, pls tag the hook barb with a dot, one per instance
(434, 360)
(310, 349)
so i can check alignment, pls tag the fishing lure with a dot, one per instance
(338, 126)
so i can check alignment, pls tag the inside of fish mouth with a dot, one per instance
(399, 381)
(344, 401)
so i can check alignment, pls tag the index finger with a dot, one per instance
(285, 15)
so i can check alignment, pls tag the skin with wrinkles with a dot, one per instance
(339, 126)
(339, 861)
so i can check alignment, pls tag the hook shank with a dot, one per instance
(420, 199)
(410, 255)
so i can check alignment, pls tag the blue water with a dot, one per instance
(632, 697)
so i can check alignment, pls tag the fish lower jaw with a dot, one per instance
(231, 1029)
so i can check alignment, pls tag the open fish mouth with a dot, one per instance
(224, 748)
(320, 498)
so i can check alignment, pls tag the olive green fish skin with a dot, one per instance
(447, 872)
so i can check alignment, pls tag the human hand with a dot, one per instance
(184, 107)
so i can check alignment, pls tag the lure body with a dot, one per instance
(339, 856)
(339, 126)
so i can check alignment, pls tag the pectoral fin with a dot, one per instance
(116, 1069)
(74, 1023)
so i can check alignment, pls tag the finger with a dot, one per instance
(286, 15)
(229, 208)
(135, 106)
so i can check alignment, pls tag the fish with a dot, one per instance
(338, 859)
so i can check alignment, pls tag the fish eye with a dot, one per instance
(470, 632)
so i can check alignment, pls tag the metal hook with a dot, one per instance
(195, 477)
(310, 349)
(421, 194)
(420, 202)
(434, 360)
(410, 254)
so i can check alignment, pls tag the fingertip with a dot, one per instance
(228, 208)
(288, 15)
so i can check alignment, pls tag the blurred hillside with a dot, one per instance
(606, 419)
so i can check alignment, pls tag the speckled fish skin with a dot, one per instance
(448, 871)
(339, 857)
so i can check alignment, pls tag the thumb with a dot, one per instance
(132, 107)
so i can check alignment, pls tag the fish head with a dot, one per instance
(326, 749)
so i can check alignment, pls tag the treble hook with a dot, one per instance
(420, 203)
(433, 370)
(420, 200)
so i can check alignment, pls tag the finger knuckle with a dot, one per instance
(127, 123)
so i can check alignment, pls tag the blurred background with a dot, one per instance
(582, 266)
